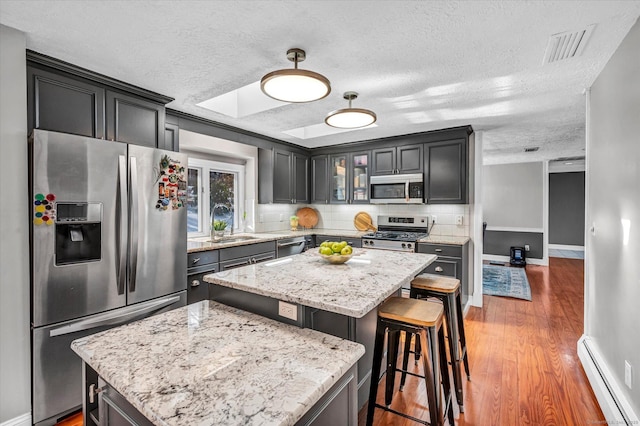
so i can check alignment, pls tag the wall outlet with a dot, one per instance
(281, 217)
(287, 310)
(261, 218)
(434, 219)
(628, 370)
(526, 247)
(459, 219)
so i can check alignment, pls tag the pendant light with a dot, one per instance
(295, 85)
(350, 118)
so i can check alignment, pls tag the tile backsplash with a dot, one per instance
(275, 217)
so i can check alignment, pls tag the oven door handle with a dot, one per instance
(406, 191)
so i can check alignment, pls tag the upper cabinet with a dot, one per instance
(134, 120)
(394, 160)
(320, 179)
(349, 178)
(446, 172)
(64, 104)
(283, 177)
(68, 99)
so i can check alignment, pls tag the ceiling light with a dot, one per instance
(350, 118)
(295, 85)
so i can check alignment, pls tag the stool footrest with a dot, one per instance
(406, 416)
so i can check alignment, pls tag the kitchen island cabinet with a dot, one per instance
(340, 300)
(212, 364)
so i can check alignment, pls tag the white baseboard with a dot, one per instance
(23, 420)
(613, 403)
(565, 247)
(505, 259)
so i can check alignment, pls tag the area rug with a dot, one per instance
(505, 281)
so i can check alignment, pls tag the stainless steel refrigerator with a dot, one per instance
(108, 246)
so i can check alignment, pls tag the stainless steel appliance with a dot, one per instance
(397, 189)
(108, 246)
(291, 246)
(397, 233)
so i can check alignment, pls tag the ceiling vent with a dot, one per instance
(532, 149)
(567, 45)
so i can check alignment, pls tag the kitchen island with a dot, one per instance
(210, 364)
(305, 291)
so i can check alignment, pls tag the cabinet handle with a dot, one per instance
(93, 391)
(233, 265)
(196, 260)
(439, 269)
(195, 283)
(438, 250)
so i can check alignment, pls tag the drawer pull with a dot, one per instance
(439, 269)
(195, 283)
(438, 250)
(196, 260)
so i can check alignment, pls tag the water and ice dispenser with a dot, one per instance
(78, 230)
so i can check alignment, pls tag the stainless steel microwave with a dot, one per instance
(397, 189)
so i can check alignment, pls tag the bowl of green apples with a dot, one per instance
(335, 252)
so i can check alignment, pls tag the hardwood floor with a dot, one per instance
(523, 359)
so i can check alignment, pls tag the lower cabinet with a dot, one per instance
(199, 265)
(452, 261)
(235, 257)
(353, 242)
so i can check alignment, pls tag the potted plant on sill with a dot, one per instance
(217, 229)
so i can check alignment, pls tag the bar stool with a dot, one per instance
(419, 317)
(447, 290)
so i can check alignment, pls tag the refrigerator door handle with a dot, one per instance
(121, 223)
(134, 223)
(113, 318)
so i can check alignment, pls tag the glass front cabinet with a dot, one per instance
(350, 178)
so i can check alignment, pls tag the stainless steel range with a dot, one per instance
(398, 233)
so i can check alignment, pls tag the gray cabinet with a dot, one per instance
(446, 172)
(171, 137)
(235, 257)
(452, 261)
(200, 264)
(320, 179)
(349, 178)
(283, 177)
(354, 242)
(64, 104)
(65, 98)
(134, 120)
(395, 160)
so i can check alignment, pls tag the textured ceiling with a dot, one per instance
(419, 65)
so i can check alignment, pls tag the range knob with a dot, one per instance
(404, 245)
(365, 242)
(370, 243)
(409, 245)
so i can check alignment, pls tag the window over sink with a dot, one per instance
(214, 192)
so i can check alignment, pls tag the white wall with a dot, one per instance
(340, 216)
(15, 386)
(612, 269)
(513, 195)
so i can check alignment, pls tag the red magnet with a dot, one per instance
(51, 197)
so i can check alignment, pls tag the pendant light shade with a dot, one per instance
(295, 85)
(350, 118)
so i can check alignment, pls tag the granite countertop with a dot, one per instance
(204, 244)
(207, 363)
(352, 289)
(444, 239)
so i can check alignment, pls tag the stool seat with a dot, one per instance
(436, 283)
(419, 313)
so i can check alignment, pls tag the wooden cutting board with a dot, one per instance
(307, 217)
(363, 222)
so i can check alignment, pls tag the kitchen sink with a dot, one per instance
(234, 239)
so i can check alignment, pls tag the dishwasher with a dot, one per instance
(290, 246)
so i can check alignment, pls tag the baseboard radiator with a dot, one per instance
(614, 405)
